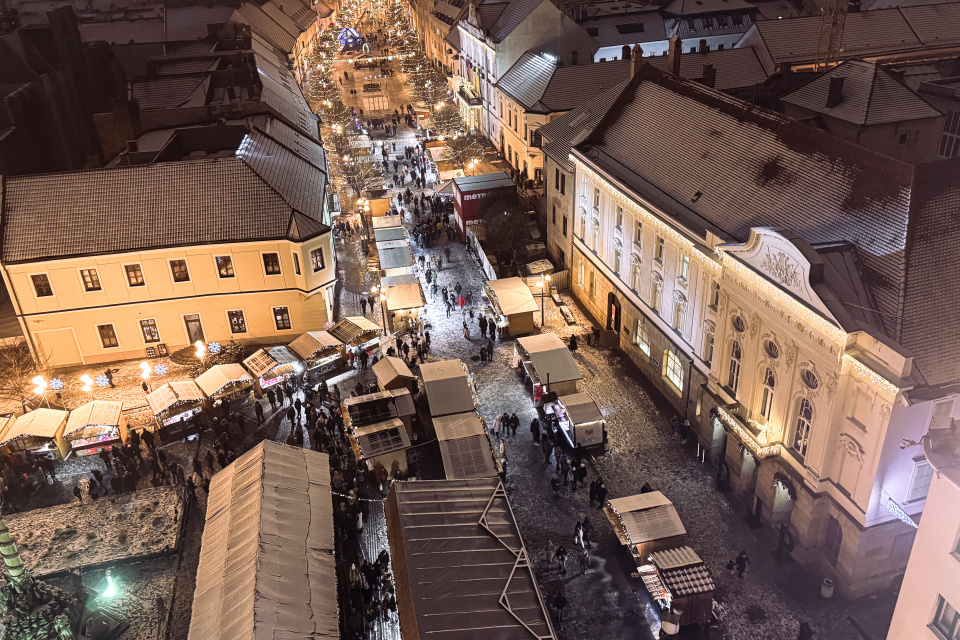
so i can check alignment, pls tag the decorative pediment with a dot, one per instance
(788, 262)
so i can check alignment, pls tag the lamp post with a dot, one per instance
(381, 294)
(40, 389)
(543, 283)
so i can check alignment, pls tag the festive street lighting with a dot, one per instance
(87, 382)
(40, 389)
(381, 293)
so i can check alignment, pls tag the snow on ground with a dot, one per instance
(111, 529)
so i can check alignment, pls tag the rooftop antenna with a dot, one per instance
(832, 21)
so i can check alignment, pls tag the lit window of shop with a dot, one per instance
(148, 327)
(642, 339)
(281, 316)
(673, 369)
(238, 324)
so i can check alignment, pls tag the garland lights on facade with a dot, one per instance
(761, 451)
(869, 375)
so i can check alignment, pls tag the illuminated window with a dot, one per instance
(316, 259)
(281, 316)
(920, 482)
(91, 279)
(766, 400)
(179, 270)
(134, 275)
(238, 324)
(673, 369)
(801, 435)
(149, 330)
(225, 266)
(733, 379)
(642, 339)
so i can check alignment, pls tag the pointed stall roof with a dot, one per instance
(352, 327)
(39, 423)
(551, 358)
(97, 413)
(172, 393)
(214, 379)
(308, 344)
(448, 387)
(263, 361)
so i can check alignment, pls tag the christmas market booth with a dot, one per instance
(273, 366)
(173, 405)
(460, 565)
(466, 447)
(97, 425)
(396, 257)
(320, 350)
(679, 581)
(356, 332)
(448, 387)
(386, 234)
(577, 417)
(36, 434)
(547, 363)
(225, 382)
(513, 305)
(267, 565)
(379, 427)
(392, 373)
(387, 222)
(645, 523)
(404, 301)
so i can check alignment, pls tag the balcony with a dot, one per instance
(468, 96)
(763, 440)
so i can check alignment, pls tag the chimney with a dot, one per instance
(625, 52)
(709, 76)
(703, 48)
(133, 146)
(835, 93)
(673, 55)
(636, 60)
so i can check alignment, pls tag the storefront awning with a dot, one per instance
(448, 386)
(550, 356)
(512, 296)
(648, 516)
(311, 343)
(214, 379)
(581, 409)
(39, 423)
(173, 393)
(99, 413)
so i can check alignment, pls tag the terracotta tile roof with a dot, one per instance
(871, 95)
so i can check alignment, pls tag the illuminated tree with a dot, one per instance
(446, 121)
(395, 16)
(323, 88)
(354, 164)
(462, 151)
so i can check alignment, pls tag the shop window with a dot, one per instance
(316, 259)
(833, 540)
(178, 268)
(673, 369)
(801, 435)
(149, 330)
(225, 266)
(281, 316)
(108, 336)
(238, 324)
(134, 275)
(733, 378)
(271, 264)
(766, 399)
(642, 338)
(91, 279)
(920, 481)
(946, 621)
(41, 285)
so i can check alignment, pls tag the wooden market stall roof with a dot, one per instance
(645, 517)
(267, 566)
(465, 446)
(220, 375)
(39, 423)
(170, 393)
(263, 361)
(448, 387)
(389, 368)
(352, 327)
(683, 572)
(307, 344)
(377, 439)
(581, 408)
(386, 222)
(394, 257)
(512, 296)
(390, 233)
(549, 355)
(377, 407)
(97, 413)
(460, 565)
(403, 292)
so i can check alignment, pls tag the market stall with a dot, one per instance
(36, 434)
(513, 305)
(577, 416)
(225, 382)
(396, 257)
(273, 366)
(390, 233)
(387, 222)
(679, 581)
(404, 301)
(547, 363)
(448, 387)
(392, 373)
(645, 523)
(466, 447)
(356, 332)
(95, 426)
(320, 350)
(382, 443)
(173, 405)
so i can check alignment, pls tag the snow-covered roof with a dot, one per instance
(172, 393)
(448, 387)
(311, 342)
(40, 423)
(388, 369)
(648, 516)
(267, 566)
(105, 413)
(581, 408)
(263, 361)
(551, 358)
(219, 376)
(512, 296)
(352, 327)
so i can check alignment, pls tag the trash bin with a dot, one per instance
(826, 589)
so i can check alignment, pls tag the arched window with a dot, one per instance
(736, 354)
(833, 540)
(802, 433)
(766, 401)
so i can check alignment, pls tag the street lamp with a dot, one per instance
(379, 291)
(40, 389)
(543, 283)
(87, 383)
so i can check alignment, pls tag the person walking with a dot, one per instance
(565, 469)
(578, 534)
(363, 305)
(584, 561)
(514, 424)
(547, 450)
(446, 252)
(258, 409)
(741, 562)
(587, 531)
(602, 494)
(561, 557)
(497, 426)
(560, 603)
(483, 326)
(573, 344)
(535, 430)
(555, 485)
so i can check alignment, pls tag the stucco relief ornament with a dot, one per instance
(723, 302)
(851, 447)
(791, 354)
(780, 266)
(831, 384)
(754, 325)
(884, 411)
